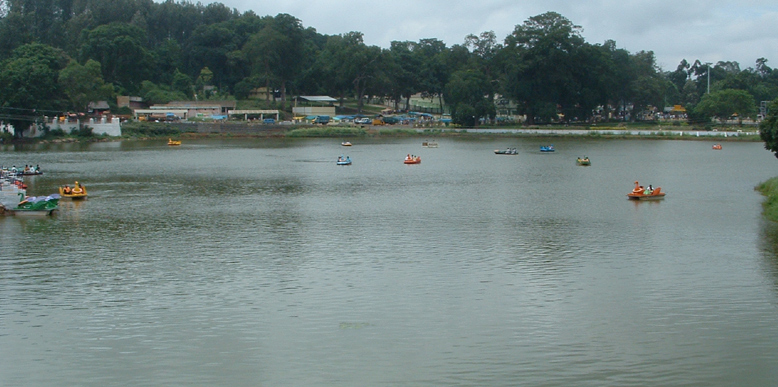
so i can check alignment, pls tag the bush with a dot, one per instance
(83, 131)
(148, 129)
(769, 189)
(327, 132)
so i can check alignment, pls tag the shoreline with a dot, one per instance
(166, 131)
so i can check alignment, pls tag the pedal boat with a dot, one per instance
(643, 193)
(78, 192)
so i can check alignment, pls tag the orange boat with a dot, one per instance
(717, 146)
(412, 160)
(642, 193)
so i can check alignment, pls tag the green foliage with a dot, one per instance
(83, 131)
(148, 129)
(769, 189)
(726, 103)
(120, 49)
(327, 131)
(84, 84)
(28, 83)
(768, 129)
(159, 94)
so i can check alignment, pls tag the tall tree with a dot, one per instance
(28, 84)
(120, 50)
(540, 65)
(84, 84)
(768, 129)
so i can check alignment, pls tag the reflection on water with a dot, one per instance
(260, 262)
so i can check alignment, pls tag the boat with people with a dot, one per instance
(33, 206)
(77, 192)
(28, 170)
(345, 143)
(509, 151)
(412, 159)
(549, 148)
(344, 160)
(172, 142)
(716, 146)
(584, 161)
(646, 193)
(429, 144)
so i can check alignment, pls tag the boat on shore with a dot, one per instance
(643, 193)
(549, 148)
(584, 161)
(509, 151)
(76, 193)
(412, 160)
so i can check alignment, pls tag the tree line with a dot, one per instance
(58, 55)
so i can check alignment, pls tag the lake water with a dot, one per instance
(256, 262)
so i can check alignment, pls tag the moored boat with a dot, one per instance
(34, 206)
(77, 192)
(172, 142)
(429, 144)
(509, 151)
(643, 193)
(345, 143)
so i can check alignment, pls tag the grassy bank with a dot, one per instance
(769, 189)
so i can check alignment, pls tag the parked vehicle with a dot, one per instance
(323, 120)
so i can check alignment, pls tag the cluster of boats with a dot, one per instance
(638, 193)
(15, 202)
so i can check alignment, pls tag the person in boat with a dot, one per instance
(408, 157)
(67, 190)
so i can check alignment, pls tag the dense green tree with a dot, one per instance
(433, 72)
(159, 94)
(541, 63)
(28, 84)
(263, 53)
(768, 129)
(182, 84)
(727, 103)
(84, 84)
(120, 50)
(469, 88)
(404, 71)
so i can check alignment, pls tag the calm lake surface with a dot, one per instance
(255, 262)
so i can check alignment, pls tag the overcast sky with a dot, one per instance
(711, 30)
